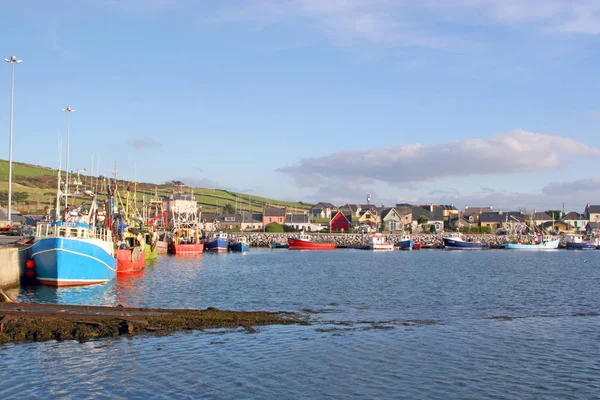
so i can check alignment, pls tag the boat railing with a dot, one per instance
(46, 229)
(453, 235)
(305, 237)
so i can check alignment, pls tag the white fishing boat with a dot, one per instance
(377, 241)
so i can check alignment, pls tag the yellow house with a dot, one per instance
(448, 211)
(369, 218)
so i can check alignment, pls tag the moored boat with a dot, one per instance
(576, 242)
(162, 243)
(377, 241)
(73, 252)
(217, 241)
(273, 244)
(151, 243)
(187, 241)
(186, 248)
(306, 242)
(239, 244)
(455, 241)
(405, 242)
(533, 242)
(129, 247)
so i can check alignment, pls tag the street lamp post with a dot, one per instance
(68, 110)
(12, 61)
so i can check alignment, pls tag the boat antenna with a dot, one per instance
(57, 211)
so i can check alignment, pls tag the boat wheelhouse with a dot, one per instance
(405, 242)
(377, 241)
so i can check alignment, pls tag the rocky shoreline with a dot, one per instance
(261, 239)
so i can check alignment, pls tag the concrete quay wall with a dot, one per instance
(10, 271)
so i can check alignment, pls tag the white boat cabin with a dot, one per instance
(72, 230)
(376, 239)
(574, 238)
(217, 235)
(404, 237)
(305, 237)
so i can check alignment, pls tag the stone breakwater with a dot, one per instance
(260, 239)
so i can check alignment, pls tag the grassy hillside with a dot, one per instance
(39, 184)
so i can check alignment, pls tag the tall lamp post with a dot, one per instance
(68, 110)
(12, 61)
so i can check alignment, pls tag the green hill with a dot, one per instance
(34, 188)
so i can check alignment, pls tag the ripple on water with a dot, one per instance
(427, 324)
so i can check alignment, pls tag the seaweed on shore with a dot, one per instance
(28, 324)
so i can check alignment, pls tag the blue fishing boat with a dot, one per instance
(72, 252)
(455, 241)
(239, 244)
(533, 242)
(217, 241)
(405, 242)
(576, 242)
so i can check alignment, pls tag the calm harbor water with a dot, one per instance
(421, 324)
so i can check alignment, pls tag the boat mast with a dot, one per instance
(57, 210)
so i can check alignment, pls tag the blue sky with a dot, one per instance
(469, 102)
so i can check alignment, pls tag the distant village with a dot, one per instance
(366, 218)
(427, 218)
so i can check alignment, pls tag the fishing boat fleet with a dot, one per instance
(92, 241)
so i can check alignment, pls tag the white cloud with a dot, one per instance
(569, 16)
(199, 182)
(517, 151)
(346, 21)
(583, 188)
(394, 21)
(144, 143)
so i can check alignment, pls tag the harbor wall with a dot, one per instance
(262, 239)
(10, 271)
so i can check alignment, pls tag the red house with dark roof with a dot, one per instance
(273, 215)
(340, 222)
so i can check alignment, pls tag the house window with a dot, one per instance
(269, 219)
(230, 219)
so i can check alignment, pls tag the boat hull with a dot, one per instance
(239, 247)
(151, 253)
(381, 247)
(551, 245)
(405, 244)
(218, 244)
(297, 244)
(72, 262)
(452, 244)
(581, 246)
(162, 247)
(192, 248)
(130, 260)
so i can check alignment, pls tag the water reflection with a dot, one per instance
(103, 294)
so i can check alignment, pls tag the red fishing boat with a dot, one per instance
(130, 260)
(186, 240)
(306, 242)
(129, 250)
(186, 248)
